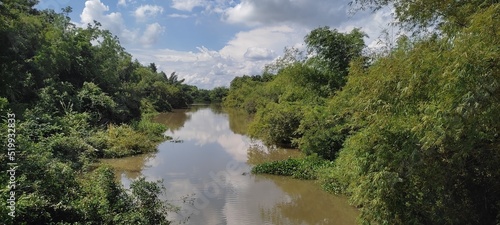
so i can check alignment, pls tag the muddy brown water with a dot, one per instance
(209, 163)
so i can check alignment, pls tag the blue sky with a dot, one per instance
(209, 42)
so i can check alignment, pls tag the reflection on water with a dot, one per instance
(258, 153)
(308, 204)
(174, 120)
(213, 163)
(238, 121)
(130, 167)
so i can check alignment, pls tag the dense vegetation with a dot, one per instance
(68, 96)
(213, 96)
(412, 132)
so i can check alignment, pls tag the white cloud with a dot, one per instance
(175, 15)
(303, 12)
(256, 54)
(187, 5)
(272, 38)
(246, 53)
(114, 22)
(145, 11)
(205, 68)
(95, 10)
(151, 34)
(373, 24)
(309, 15)
(122, 2)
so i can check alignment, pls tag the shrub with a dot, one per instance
(277, 123)
(122, 140)
(105, 201)
(72, 149)
(153, 130)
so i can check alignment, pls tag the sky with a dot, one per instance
(209, 42)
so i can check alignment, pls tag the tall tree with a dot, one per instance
(333, 51)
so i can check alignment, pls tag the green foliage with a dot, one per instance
(92, 99)
(154, 131)
(103, 201)
(323, 132)
(247, 93)
(333, 52)
(149, 206)
(290, 57)
(218, 94)
(73, 150)
(173, 79)
(301, 168)
(277, 123)
(120, 141)
(414, 134)
(106, 202)
(201, 96)
(4, 103)
(282, 101)
(285, 167)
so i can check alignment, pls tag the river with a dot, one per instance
(209, 162)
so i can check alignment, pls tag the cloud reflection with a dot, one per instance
(205, 127)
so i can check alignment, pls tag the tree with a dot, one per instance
(333, 51)
(276, 124)
(290, 56)
(173, 79)
(218, 94)
(153, 68)
(93, 100)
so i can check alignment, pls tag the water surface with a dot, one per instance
(210, 163)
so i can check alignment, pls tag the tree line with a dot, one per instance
(411, 133)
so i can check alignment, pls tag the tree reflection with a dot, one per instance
(259, 153)
(174, 120)
(330, 210)
(216, 109)
(238, 120)
(131, 167)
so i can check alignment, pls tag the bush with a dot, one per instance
(153, 130)
(72, 149)
(120, 141)
(95, 101)
(106, 202)
(322, 132)
(277, 124)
